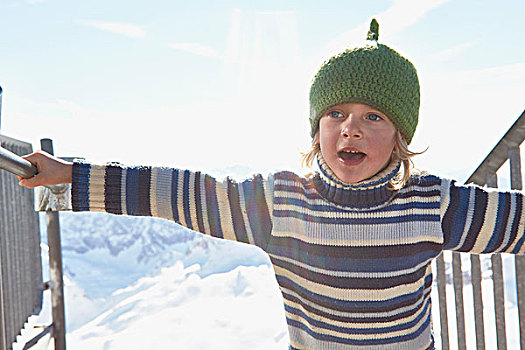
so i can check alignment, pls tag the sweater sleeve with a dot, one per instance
(481, 220)
(238, 211)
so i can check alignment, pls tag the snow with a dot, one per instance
(134, 283)
(233, 310)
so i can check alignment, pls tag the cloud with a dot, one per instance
(126, 29)
(506, 74)
(402, 14)
(454, 51)
(196, 49)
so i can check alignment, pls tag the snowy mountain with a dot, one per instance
(132, 282)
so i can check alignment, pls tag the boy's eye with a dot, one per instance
(374, 117)
(335, 114)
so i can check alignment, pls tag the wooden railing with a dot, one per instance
(507, 149)
(21, 286)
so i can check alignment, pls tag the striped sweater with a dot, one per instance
(352, 262)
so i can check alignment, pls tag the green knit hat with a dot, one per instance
(374, 75)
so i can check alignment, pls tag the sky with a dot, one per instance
(209, 85)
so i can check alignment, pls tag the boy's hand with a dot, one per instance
(51, 170)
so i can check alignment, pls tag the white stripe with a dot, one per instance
(249, 232)
(521, 229)
(351, 274)
(180, 198)
(363, 325)
(512, 214)
(96, 188)
(330, 213)
(204, 206)
(192, 204)
(374, 336)
(163, 193)
(489, 223)
(358, 235)
(123, 191)
(347, 293)
(225, 212)
(153, 193)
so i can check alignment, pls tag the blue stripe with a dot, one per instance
(455, 216)
(174, 195)
(356, 220)
(186, 199)
(198, 206)
(352, 305)
(377, 264)
(80, 186)
(480, 208)
(303, 204)
(368, 281)
(361, 317)
(112, 189)
(369, 342)
(518, 246)
(143, 191)
(515, 225)
(501, 223)
(257, 211)
(132, 183)
(369, 330)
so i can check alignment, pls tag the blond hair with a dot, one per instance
(400, 152)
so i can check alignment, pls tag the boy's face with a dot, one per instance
(356, 141)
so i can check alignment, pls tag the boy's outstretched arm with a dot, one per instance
(482, 220)
(51, 170)
(239, 211)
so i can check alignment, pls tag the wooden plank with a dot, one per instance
(519, 260)
(458, 295)
(499, 154)
(499, 299)
(497, 280)
(442, 293)
(478, 300)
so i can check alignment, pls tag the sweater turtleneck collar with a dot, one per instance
(364, 195)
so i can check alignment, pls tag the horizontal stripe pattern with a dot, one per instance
(354, 270)
(479, 220)
(194, 200)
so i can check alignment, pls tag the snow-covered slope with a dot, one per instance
(133, 283)
(178, 309)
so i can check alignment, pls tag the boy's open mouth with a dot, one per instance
(351, 155)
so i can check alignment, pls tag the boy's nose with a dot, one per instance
(351, 128)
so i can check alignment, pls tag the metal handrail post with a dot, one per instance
(55, 269)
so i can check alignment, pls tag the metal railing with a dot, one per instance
(21, 287)
(508, 148)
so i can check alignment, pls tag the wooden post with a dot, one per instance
(55, 268)
(457, 274)
(475, 267)
(519, 260)
(497, 280)
(442, 293)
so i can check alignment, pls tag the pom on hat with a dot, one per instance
(374, 75)
(373, 33)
